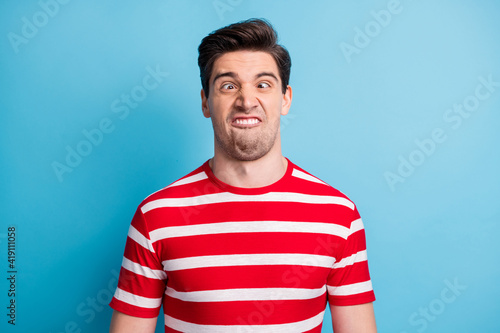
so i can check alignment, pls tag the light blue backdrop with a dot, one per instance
(396, 103)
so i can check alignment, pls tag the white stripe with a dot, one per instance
(248, 260)
(143, 302)
(356, 257)
(350, 289)
(299, 326)
(249, 226)
(305, 176)
(231, 197)
(356, 225)
(191, 179)
(143, 270)
(248, 294)
(140, 239)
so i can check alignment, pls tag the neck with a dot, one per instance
(249, 174)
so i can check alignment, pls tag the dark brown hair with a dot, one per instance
(252, 34)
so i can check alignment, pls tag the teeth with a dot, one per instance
(250, 121)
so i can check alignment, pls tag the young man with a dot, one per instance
(248, 242)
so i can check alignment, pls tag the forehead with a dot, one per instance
(245, 63)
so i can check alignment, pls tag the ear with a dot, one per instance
(287, 101)
(204, 104)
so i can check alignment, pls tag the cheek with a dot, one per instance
(274, 103)
(220, 108)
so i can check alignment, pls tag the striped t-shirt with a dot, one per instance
(221, 258)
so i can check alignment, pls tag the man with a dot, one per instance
(248, 242)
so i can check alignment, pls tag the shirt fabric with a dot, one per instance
(221, 258)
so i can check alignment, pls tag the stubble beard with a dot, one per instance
(247, 144)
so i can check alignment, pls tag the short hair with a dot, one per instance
(253, 35)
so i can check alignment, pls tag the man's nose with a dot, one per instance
(247, 99)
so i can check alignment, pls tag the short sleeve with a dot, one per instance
(349, 280)
(142, 280)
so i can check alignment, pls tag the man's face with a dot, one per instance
(245, 103)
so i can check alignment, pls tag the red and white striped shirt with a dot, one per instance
(221, 258)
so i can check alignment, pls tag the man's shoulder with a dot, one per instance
(181, 187)
(306, 183)
(197, 182)
(309, 180)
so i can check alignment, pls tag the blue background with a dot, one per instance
(356, 116)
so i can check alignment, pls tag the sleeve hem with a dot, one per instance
(361, 299)
(132, 310)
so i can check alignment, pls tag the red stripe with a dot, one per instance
(140, 285)
(142, 256)
(358, 272)
(244, 312)
(277, 276)
(241, 211)
(245, 243)
(132, 310)
(366, 297)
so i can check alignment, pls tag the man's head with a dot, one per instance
(243, 71)
(252, 35)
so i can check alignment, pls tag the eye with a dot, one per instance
(228, 86)
(263, 85)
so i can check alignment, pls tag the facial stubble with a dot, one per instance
(246, 144)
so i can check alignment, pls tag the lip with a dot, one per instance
(248, 121)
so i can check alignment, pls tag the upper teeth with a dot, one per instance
(247, 121)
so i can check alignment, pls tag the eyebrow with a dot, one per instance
(234, 75)
(267, 74)
(229, 74)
